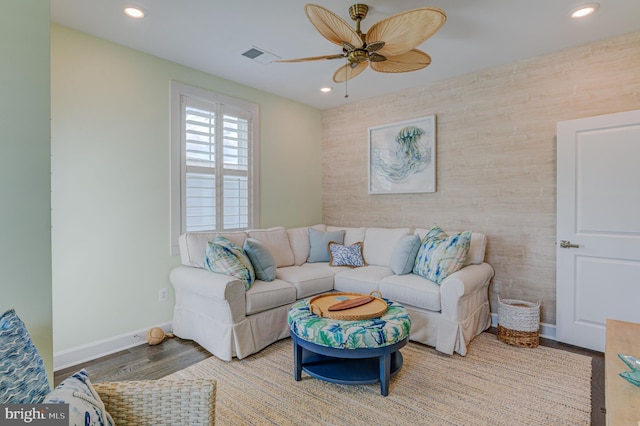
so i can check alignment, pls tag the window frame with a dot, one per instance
(178, 157)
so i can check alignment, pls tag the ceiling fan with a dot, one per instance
(389, 45)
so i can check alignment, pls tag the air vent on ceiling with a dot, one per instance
(260, 55)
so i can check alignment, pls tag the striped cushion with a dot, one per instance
(23, 378)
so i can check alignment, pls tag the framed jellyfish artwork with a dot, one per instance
(402, 157)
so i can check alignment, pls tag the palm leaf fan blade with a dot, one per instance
(347, 72)
(412, 60)
(406, 30)
(331, 26)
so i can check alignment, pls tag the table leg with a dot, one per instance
(297, 361)
(385, 372)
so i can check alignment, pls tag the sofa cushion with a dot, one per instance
(319, 244)
(404, 254)
(361, 280)
(412, 290)
(308, 279)
(224, 257)
(351, 235)
(193, 245)
(379, 244)
(277, 240)
(477, 247)
(440, 255)
(85, 405)
(299, 241)
(265, 295)
(261, 259)
(23, 378)
(341, 255)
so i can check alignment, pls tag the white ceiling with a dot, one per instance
(211, 35)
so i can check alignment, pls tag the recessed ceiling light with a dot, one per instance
(134, 11)
(326, 89)
(584, 10)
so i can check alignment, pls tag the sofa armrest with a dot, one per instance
(160, 402)
(206, 283)
(472, 281)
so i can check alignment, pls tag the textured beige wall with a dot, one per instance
(496, 155)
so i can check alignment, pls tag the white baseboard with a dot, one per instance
(91, 351)
(547, 331)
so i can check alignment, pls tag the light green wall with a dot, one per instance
(110, 181)
(25, 224)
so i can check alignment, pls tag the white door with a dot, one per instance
(598, 226)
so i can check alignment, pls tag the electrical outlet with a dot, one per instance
(163, 294)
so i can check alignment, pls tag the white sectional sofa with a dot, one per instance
(216, 311)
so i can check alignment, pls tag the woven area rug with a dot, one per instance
(495, 384)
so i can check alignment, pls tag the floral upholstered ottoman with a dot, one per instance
(349, 352)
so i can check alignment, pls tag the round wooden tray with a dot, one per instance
(320, 304)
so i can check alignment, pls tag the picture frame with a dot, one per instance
(402, 157)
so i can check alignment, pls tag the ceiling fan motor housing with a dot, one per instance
(357, 56)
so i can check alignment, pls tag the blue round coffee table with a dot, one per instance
(349, 352)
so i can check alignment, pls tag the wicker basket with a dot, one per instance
(518, 322)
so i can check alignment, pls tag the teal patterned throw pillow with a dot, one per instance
(23, 378)
(441, 255)
(346, 255)
(224, 257)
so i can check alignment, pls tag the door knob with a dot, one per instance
(567, 244)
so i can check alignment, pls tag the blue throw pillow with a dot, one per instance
(319, 244)
(224, 257)
(441, 255)
(85, 405)
(346, 255)
(404, 255)
(23, 378)
(261, 258)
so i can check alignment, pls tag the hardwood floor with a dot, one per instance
(153, 362)
(141, 362)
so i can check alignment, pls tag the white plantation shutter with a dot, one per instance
(218, 172)
(200, 159)
(235, 160)
(216, 150)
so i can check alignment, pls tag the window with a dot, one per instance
(214, 167)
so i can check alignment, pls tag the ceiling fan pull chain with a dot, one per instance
(346, 74)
